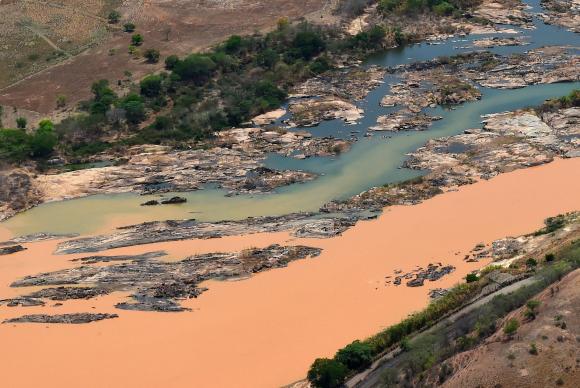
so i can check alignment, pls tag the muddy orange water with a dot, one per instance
(266, 330)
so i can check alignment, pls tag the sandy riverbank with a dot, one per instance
(265, 331)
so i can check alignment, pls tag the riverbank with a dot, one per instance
(334, 298)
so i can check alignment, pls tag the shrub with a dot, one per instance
(114, 17)
(511, 327)
(356, 356)
(129, 27)
(151, 55)
(60, 101)
(326, 373)
(444, 9)
(21, 122)
(550, 257)
(533, 349)
(136, 40)
(531, 263)
(471, 277)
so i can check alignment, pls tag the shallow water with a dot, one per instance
(371, 161)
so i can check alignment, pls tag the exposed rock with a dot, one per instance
(23, 301)
(62, 318)
(11, 249)
(42, 237)
(67, 293)
(152, 202)
(403, 120)
(173, 201)
(565, 13)
(107, 259)
(158, 285)
(310, 112)
(496, 41)
(17, 192)
(303, 225)
(268, 117)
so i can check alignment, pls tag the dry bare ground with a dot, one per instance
(511, 363)
(171, 26)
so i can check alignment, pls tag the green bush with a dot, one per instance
(326, 373)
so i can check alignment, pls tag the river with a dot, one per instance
(370, 162)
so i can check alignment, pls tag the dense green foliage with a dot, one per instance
(16, 145)
(355, 356)
(327, 373)
(412, 7)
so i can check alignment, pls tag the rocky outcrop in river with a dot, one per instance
(156, 285)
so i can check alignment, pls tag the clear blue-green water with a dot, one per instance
(370, 162)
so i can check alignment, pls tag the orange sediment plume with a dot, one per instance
(265, 331)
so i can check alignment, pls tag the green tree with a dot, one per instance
(136, 39)
(195, 67)
(171, 61)
(326, 373)
(44, 140)
(151, 85)
(151, 55)
(308, 44)
(134, 108)
(356, 356)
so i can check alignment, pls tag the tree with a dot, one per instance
(44, 140)
(356, 356)
(114, 17)
(151, 55)
(171, 61)
(233, 44)
(136, 39)
(195, 67)
(151, 86)
(326, 373)
(511, 327)
(21, 122)
(129, 27)
(308, 44)
(134, 108)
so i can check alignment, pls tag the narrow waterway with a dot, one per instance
(371, 161)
